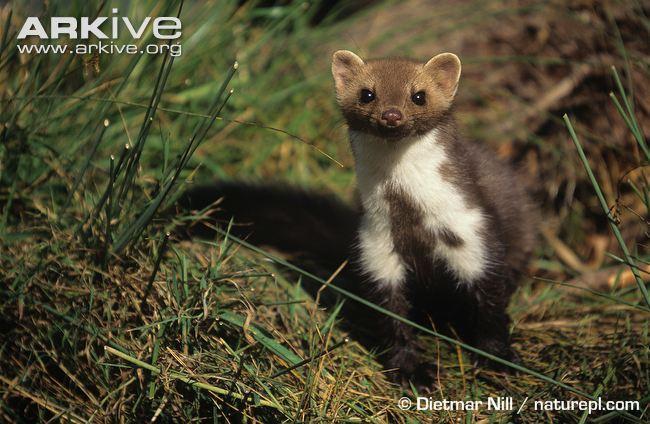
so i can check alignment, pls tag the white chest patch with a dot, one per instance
(414, 166)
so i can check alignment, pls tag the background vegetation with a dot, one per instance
(104, 318)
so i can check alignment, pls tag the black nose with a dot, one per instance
(392, 117)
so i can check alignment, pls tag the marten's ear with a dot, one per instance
(445, 70)
(345, 65)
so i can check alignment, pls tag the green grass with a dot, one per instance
(105, 316)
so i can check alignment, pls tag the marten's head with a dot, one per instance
(394, 98)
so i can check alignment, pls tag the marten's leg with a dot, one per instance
(485, 325)
(404, 354)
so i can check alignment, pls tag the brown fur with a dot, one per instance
(412, 240)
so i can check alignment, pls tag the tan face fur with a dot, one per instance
(390, 110)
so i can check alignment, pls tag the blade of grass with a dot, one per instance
(259, 335)
(5, 33)
(595, 293)
(86, 164)
(108, 191)
(310, 359)
(156, 266)
(630, 118)
(154, 358)
(108, 237)
(631, 125)
(603, 203)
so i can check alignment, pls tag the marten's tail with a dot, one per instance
(316, 227)
(317, 230)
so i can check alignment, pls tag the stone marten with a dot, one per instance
(444, 228)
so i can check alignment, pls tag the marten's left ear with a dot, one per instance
(445, 70)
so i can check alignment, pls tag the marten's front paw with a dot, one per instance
(423, 377)
(409, 370)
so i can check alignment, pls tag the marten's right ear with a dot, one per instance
(345, 65)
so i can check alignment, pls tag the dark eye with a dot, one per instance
(419, 98)
(366, 96)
